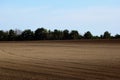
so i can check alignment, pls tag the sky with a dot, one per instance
(96, 16)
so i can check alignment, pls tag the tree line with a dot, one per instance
(44, 34)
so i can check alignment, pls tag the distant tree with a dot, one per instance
(66, 35)
(74, 34)
(11, 35)
(6, 35)
(18, 35)
(88, 35)
(57, 35)
(81, 36)
(117, 36)
(44, 34)
(101, 36)
(50, 35)
(2, 35)
(41, 34)
(96, 37)
(18, 32)
(27, 35)
(106, 35)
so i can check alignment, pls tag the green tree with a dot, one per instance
(96, 37)
(106, 35)
(66, 35)
(27, 35)
(57, 35)
(41, 34)
(11, 35)
(88, 35)
(74, 34)
(5, 36)
(50, 35)
(1, 35)
(117, 36)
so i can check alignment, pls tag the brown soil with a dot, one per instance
(60, 60)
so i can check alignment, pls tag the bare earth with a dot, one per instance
(60, 60)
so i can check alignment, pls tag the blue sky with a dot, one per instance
(96, 16)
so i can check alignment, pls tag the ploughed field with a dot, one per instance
(60, 60)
